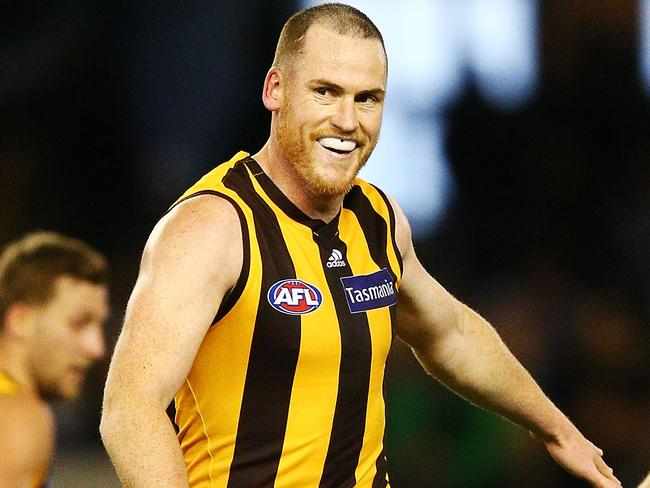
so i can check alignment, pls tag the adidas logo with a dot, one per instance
(335, 260)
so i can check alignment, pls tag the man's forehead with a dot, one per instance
(328, 54)
(68, 282)
(322, 38)
(69, 288)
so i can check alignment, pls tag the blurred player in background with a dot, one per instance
(53, 305)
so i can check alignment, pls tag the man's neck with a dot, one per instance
(13, 362)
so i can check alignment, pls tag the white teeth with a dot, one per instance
(337, 144)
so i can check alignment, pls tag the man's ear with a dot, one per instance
(273, 90)
(18, 320)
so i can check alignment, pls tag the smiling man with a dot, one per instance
(271, 292)
(53, 304)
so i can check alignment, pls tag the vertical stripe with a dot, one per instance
(373, 224)
(377, 232)
(315, 386)
(393, 250)
(372, 467)
(272, 361)
(378, 202)
(372, 206)
(354, 377)
(234, 295)
(381, 477)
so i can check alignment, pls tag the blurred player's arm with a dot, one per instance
(192, 259)
(26, 441)
(462, 350)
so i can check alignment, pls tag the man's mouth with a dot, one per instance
(339, 146)
(78, 371)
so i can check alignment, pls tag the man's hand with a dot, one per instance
(582, 459)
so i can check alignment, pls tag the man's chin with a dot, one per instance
(332, 187)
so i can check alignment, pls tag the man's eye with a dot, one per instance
(323, 91)
(366, 99)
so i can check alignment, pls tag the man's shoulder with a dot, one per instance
(201, 236)
(25, 416)
(26, 436)
(204, 213)
(203, 225)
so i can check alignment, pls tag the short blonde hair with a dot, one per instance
(343, 19)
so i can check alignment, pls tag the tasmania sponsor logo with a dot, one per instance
(294, 297)
(335, 260)
(368, 292)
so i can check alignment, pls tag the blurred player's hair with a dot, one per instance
(30, 266)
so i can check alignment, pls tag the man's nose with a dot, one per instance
(93, 343)
(345, 115)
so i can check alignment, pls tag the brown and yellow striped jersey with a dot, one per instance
(286, 390)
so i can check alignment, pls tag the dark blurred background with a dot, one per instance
(109, 110)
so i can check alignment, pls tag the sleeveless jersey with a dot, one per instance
(287, 388)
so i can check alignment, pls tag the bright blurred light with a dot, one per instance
(409, 163)
(502, 48)
(434, 47)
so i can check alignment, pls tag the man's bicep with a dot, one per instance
(426, 311)
(158, 342)
(186, 271)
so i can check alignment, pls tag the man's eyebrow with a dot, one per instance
(378, 92)
(331, 84)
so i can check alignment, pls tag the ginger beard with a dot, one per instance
(321, 178)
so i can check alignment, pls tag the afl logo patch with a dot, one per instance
(294, 297)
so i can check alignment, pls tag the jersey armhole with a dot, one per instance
(235, 292)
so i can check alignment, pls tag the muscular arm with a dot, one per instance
(462, 350)
(26, 441)
(192, 259)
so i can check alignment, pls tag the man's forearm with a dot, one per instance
(473, 361)
(142, 445)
